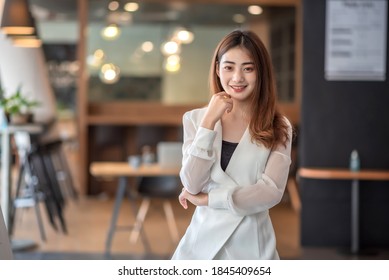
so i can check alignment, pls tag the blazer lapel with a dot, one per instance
(217, 173)
(239, 159)
(247, 161)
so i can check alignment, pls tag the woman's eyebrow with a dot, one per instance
(244, 63)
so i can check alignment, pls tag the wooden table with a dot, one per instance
(120, 169)
(355, 177)
(123, 170)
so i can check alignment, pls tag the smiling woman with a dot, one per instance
(236, 156)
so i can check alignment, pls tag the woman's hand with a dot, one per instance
(200, 199)
(219, 104)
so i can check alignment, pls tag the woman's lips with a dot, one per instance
(238, 88)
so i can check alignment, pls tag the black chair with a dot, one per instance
(42, 168)
(53, 145)
(158, 187)
(37, 182)
(28, 194)
(59, 168)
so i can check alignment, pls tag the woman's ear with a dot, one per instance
(217, 69)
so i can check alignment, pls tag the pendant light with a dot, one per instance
(16, 18)
(27, 41)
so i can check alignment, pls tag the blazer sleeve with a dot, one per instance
(198, 155)
(264, 194)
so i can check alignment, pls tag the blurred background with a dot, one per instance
(113, 78)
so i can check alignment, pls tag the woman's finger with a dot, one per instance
(230, 104)
(184, 203)
(182, 200)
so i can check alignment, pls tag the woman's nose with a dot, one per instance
(237, 77)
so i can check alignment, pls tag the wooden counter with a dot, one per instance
(343, 174)
(117, 169)
(354, 177)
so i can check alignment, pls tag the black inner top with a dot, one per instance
(228, 149)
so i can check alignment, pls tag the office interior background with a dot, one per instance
(104, 74)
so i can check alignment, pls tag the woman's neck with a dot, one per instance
(240, 110)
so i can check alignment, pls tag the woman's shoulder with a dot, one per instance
(289, 126)
(282, 119)
(195, 114)
(287, 121)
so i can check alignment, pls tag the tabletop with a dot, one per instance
(343, 174)
(117, 169)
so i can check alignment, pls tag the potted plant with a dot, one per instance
(17, 107)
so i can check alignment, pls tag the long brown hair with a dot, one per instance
(267, 126)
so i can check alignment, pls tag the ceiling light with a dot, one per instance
(185, 36)
(17, 18)
(255, 9)
(239, 18)
(26, 41)
(110, 32)
(170, 48)
(131, 7)
(173, 59)
(99, 54)
(109, 73)
(113, 5)
(96, 59)
(172, 63)
(172, 68)
(147, 46)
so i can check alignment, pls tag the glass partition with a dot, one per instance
(125, 40)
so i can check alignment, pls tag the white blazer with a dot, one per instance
(236, 223)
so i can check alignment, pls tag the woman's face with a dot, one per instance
(237, 73)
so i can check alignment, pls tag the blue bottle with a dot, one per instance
(355, 164)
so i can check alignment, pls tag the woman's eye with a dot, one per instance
(249, 69)
(227, 67)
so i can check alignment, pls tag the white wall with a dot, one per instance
(58, 32)
(190, 84)
(26, 67)
(121, 50)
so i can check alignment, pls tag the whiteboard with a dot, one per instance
(356, 40)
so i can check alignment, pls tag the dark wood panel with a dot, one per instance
(337, 117)
(132, 113)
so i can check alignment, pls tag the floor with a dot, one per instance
(88, 220)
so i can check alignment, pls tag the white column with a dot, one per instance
(5, 244)
(25, 67)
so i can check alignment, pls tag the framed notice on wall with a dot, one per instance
(356, 40)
